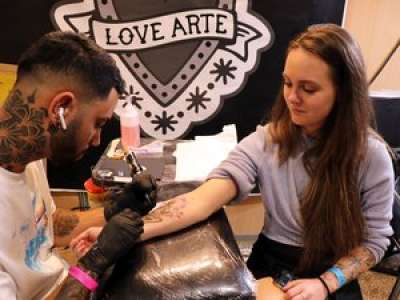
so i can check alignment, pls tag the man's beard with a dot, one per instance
(64, 145)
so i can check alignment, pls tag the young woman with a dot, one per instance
(325, 177)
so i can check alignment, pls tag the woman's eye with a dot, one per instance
(309, 90)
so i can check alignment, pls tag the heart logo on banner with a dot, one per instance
(180, 59)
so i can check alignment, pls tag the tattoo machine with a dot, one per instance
(133, 162)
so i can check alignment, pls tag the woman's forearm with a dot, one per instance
(187, 209)
(359, 260)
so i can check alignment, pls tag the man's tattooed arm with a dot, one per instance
(65, 222)
(68, 224)
(72, 289)
(360, 260)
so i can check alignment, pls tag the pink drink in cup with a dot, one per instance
(130, 136)
(130, 129)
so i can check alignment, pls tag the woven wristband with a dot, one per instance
(83, 278)
(339, 275)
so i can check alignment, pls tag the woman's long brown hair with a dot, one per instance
(330, 204)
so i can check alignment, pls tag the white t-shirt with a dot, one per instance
(28, 267)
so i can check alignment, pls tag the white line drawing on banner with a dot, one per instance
(181, 60)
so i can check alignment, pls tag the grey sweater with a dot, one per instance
(254, 162)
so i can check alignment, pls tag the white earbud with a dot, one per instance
(62, 120)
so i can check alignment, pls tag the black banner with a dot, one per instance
(198, 64)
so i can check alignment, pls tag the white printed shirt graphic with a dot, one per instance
(28, 268)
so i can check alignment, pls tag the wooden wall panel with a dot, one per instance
(376, 26)
(7, 78)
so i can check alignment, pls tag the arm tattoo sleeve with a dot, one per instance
(172, 209)
(65, 222)
(358, 261)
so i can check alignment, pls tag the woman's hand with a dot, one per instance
(81, 244)
(305, 289)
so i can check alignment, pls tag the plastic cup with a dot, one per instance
(130, 128)
(96, 194)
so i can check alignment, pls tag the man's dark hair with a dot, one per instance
(75, 57)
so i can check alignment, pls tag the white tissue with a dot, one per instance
(196, 159)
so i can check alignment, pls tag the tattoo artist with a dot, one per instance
(66, 90)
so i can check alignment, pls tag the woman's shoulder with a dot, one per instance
(262, 132)
(255, 141)
(376, 144)
(259, 136)
(377, 150)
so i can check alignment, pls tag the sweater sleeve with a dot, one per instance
(242, 163)
(377, 190)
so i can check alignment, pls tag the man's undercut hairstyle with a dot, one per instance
(75, 57)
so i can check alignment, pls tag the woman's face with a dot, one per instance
(308, 90)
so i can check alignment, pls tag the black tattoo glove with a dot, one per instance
(139, 196)
(118, 236)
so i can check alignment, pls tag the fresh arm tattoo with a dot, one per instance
(65, 222)
(72, 289)
(359, 260)
(170, 209)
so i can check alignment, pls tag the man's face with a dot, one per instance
(83, 132)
